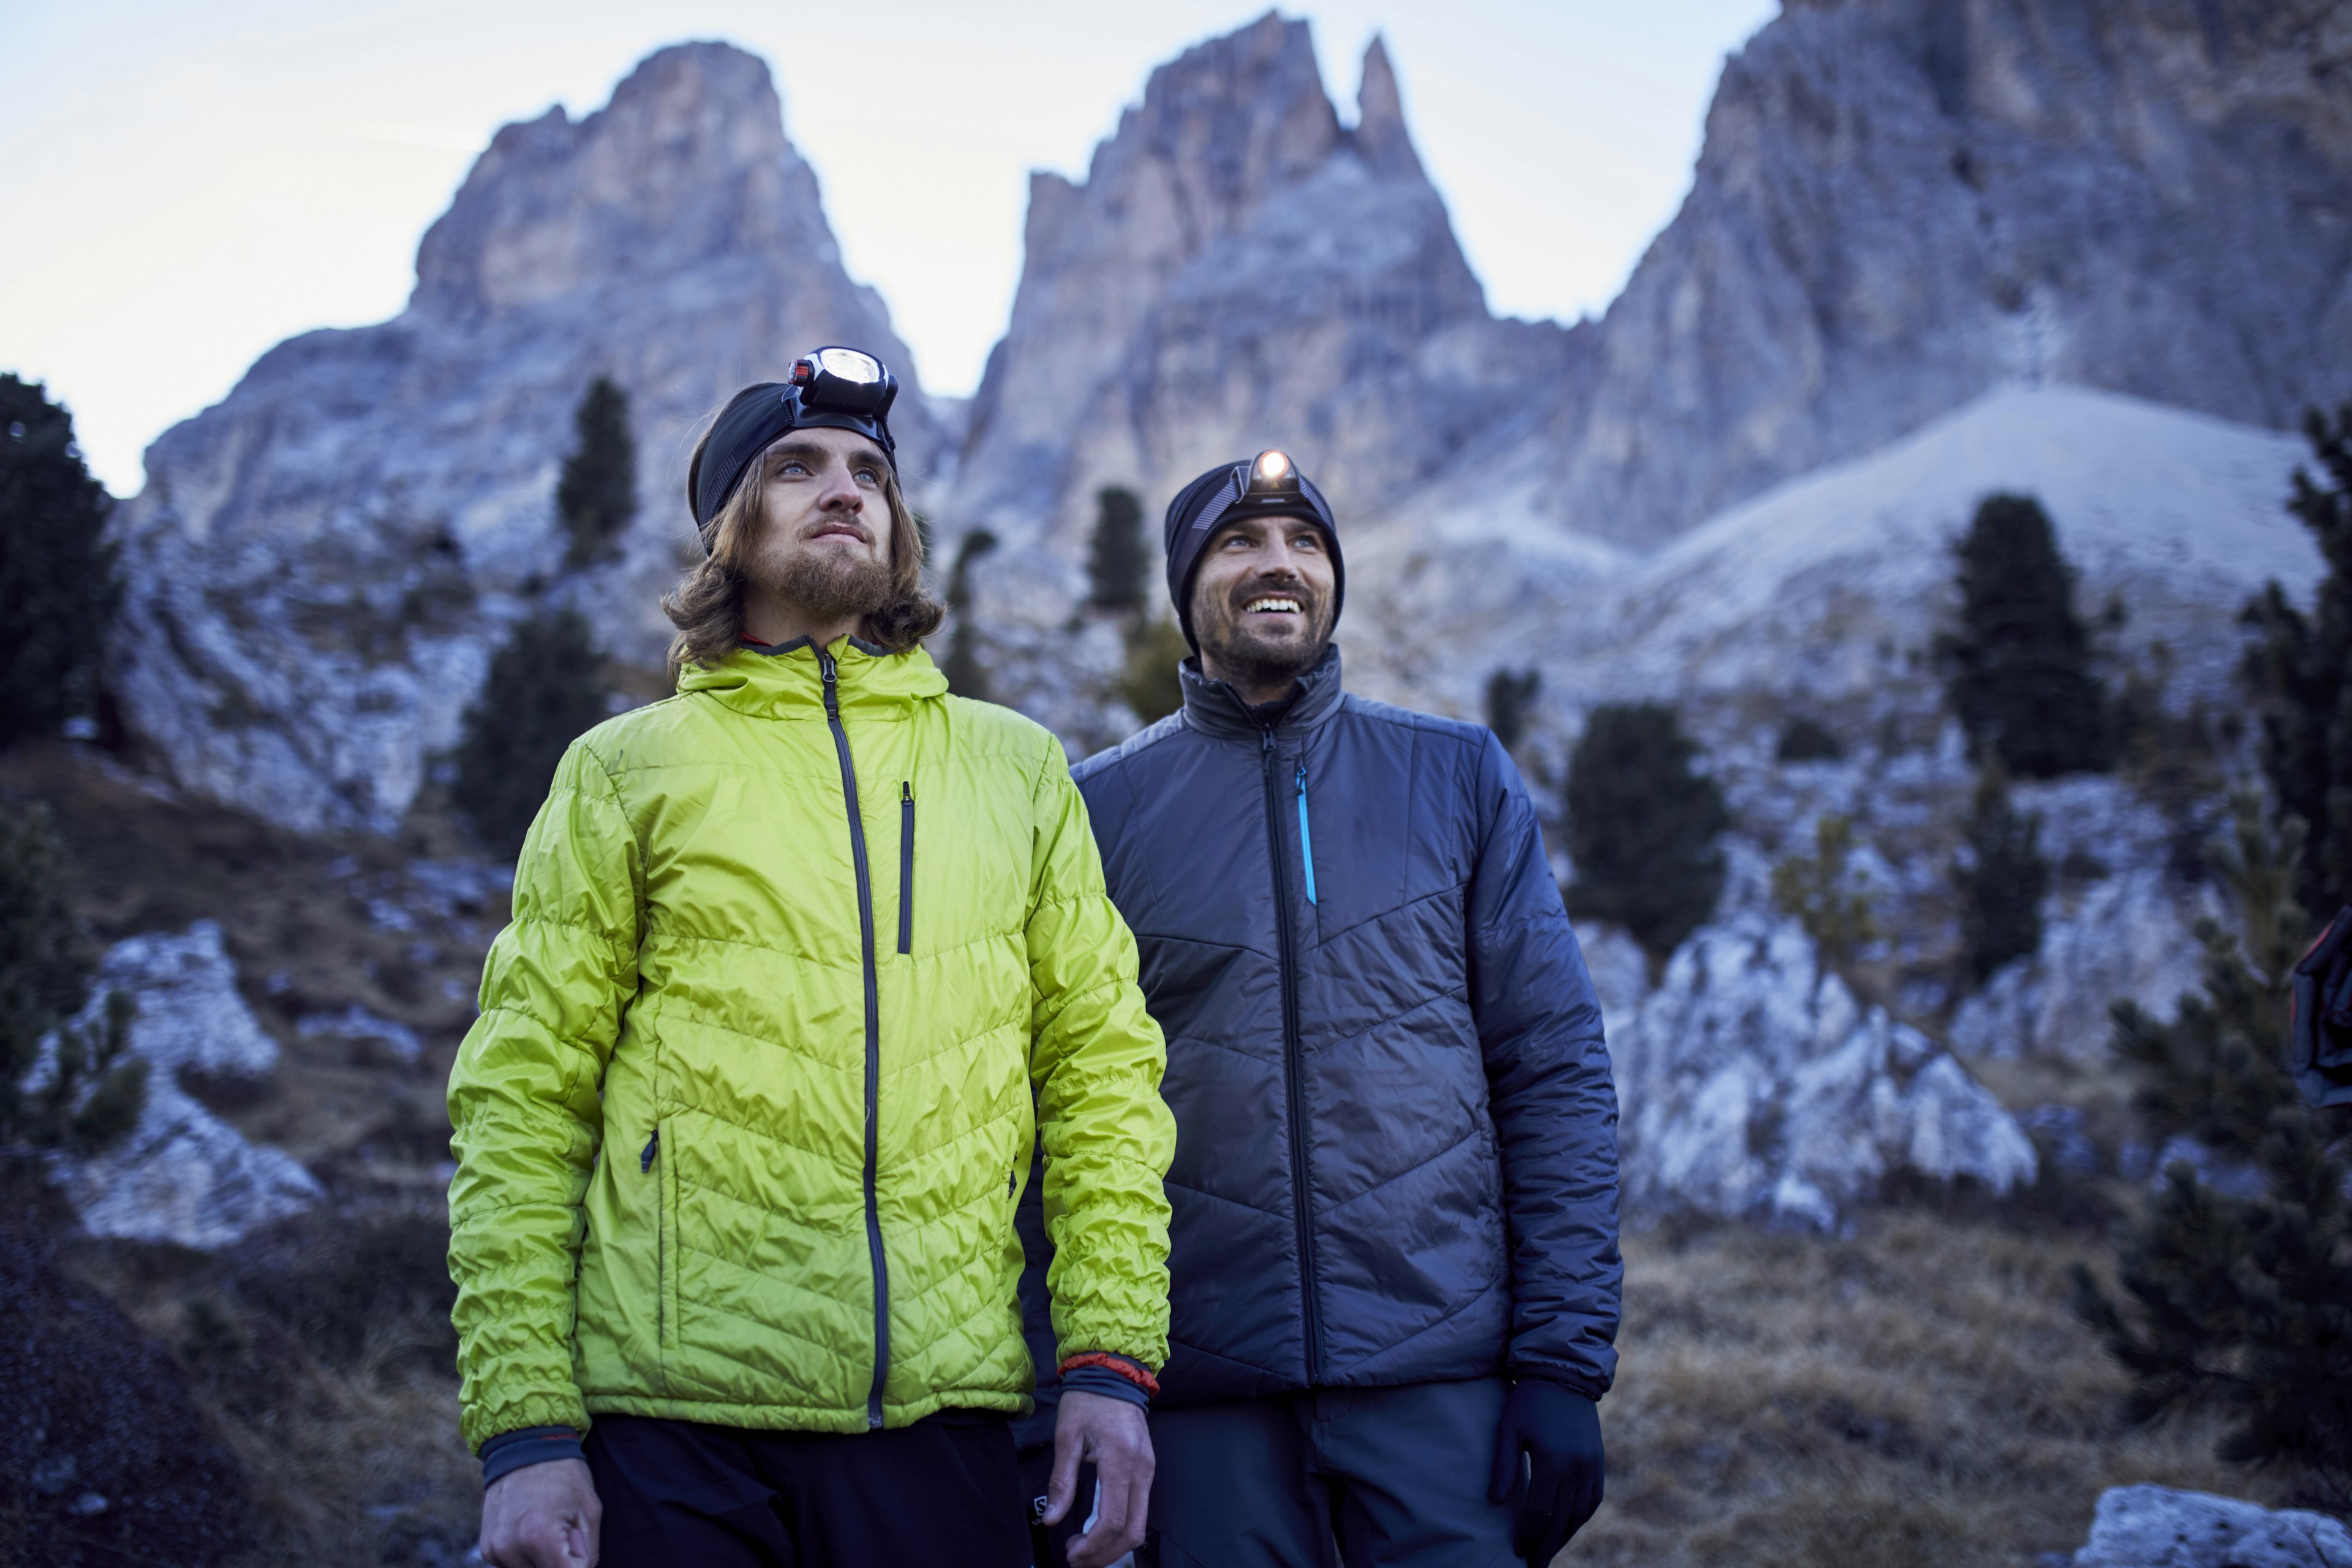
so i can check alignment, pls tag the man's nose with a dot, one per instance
(840, 493)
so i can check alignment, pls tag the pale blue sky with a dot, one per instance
(183, 185)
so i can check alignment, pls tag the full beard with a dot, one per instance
(1252, 660)
(823, 586)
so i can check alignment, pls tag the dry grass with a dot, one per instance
(1918, 1393)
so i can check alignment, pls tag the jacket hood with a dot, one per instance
(1213, 708)
(785, 682)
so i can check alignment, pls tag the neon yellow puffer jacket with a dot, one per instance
(804, 1041)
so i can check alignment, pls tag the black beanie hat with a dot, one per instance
(1224, 492)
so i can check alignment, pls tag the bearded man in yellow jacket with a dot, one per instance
(801, 957)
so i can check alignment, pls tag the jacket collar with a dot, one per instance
(785, 681)
(1213, 708)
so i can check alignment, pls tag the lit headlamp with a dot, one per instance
(828, 389)
(1270, 482)
(848, 379)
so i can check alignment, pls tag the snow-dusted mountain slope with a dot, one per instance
(1836, 584)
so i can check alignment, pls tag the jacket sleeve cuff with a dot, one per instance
(1103, 1380)
(511, 1451)
(1574, 1382)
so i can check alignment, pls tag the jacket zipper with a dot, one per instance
(873, 1039)
(1292, 1066)
(905, 866)
(1306, 839)
(661, 1244)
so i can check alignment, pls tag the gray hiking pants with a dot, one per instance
(1331, 1478)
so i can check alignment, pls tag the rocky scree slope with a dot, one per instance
(319, 565)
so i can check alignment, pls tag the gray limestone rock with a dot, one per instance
(2130, 937)
(1237, 272)
(182, 1174)
(321, 565)
(1902, 204)
(2157, 1527)
(1752, 1083)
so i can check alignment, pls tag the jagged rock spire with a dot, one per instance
(1381, 135)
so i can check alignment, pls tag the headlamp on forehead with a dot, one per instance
(832, 388)
(1270, 482)
(845, 379)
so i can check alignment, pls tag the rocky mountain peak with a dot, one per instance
(321, 563)
(687, 163)
(1382, 139)
(1237, 269)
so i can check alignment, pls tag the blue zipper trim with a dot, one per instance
(1306, 839)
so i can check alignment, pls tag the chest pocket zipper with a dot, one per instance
(905, 866)
(1306, 839)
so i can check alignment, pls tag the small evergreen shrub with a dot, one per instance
(1149, 682)
(2300, 668)
(545, 690)
(1819, 892)
(966, 675)
(2000, 879)
(1510, 697)
(1643, 823)
(2018, 670)
(92, 1091)
(58, 585)
(596, 496)
(1117, 563)
(1804, 740)
(2242, 1304)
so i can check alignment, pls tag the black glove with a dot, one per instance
(1561, 1431)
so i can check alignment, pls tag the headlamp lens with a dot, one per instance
(1273, 468)
(849, 365)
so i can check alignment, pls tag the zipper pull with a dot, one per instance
(831, 691)
(906, 792)
(1306, 839)
(645, 1159)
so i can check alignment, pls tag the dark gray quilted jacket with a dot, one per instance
(1396, 1150)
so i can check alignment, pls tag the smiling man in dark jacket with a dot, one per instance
(1394, 1262)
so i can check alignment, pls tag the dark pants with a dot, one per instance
(1352, 1477)
(943, 1493)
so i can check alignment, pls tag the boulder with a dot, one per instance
(190, 1017)
(1753, 1084)
(2157, 1527)
(182, 1174)
(2128, 936)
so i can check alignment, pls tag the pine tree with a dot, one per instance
(1117, 562)
(91, 1091)
(597, 494)
(2000, 879)
(966, 677)
(1511, 695)
(59, 588)
(545, 688)
(1641, 827)
(2018, 669)
(2301, 668)
(2240, 1303)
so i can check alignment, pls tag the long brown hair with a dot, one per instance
(707, 605)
